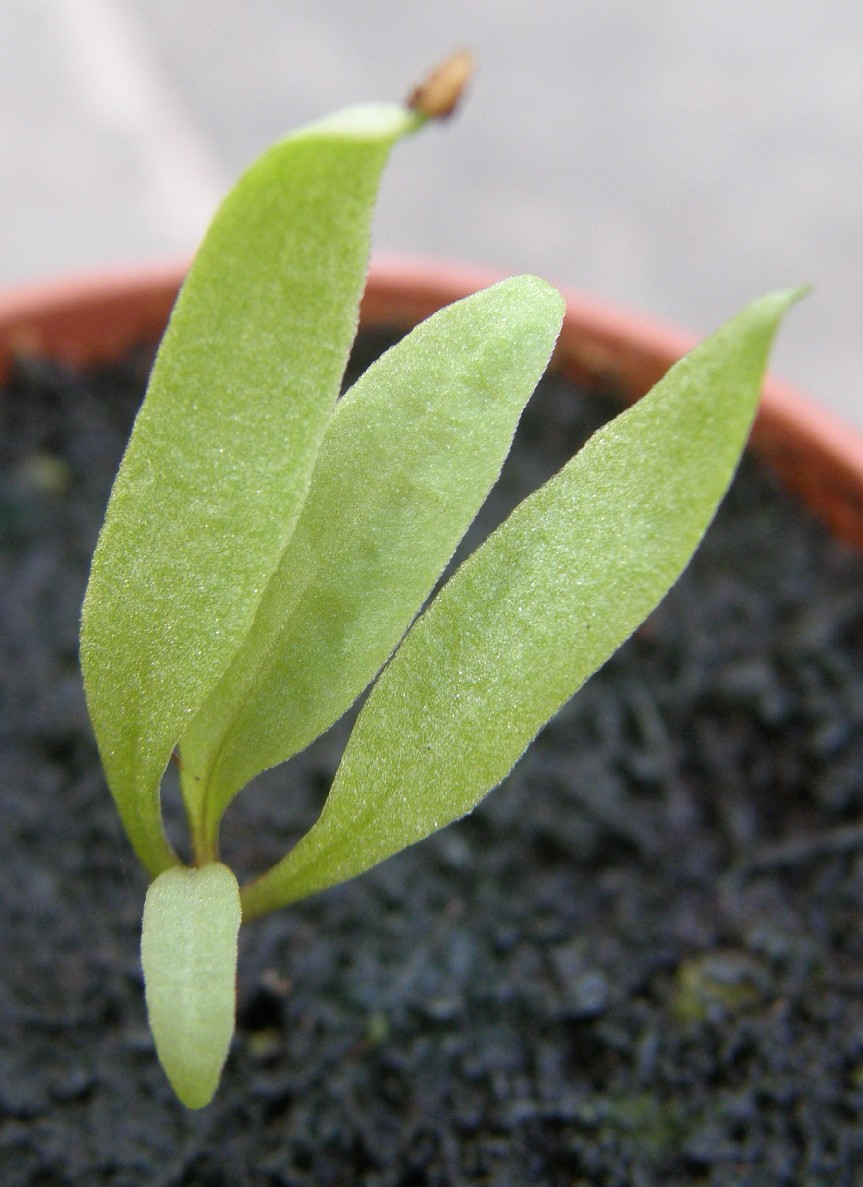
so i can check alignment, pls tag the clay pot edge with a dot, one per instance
(93, 317)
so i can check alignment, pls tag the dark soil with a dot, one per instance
(640, 961)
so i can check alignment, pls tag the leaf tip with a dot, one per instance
(442, 90)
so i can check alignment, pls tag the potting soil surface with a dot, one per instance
(639, 962)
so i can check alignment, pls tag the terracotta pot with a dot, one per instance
(815, 455)
(85, 1084)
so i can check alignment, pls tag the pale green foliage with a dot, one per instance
(266, 549)
(241, 393)
(538, 608)
(189, 956)
(405, 465)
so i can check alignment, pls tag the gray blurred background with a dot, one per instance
(675, 156)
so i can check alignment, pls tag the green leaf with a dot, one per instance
(189, 957)
(409, 457)
(220, 458)
(542, 604)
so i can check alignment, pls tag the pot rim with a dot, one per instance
(814, 452)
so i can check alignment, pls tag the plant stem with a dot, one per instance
(205, 848)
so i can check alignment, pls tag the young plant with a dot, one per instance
(268, 548)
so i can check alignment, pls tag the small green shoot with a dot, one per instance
(189, 957)
(268, 549)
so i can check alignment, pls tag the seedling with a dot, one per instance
(268, 548)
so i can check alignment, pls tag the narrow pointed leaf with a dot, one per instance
(219, 460)
(542, 604)
(189, 957)
(407, 461)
